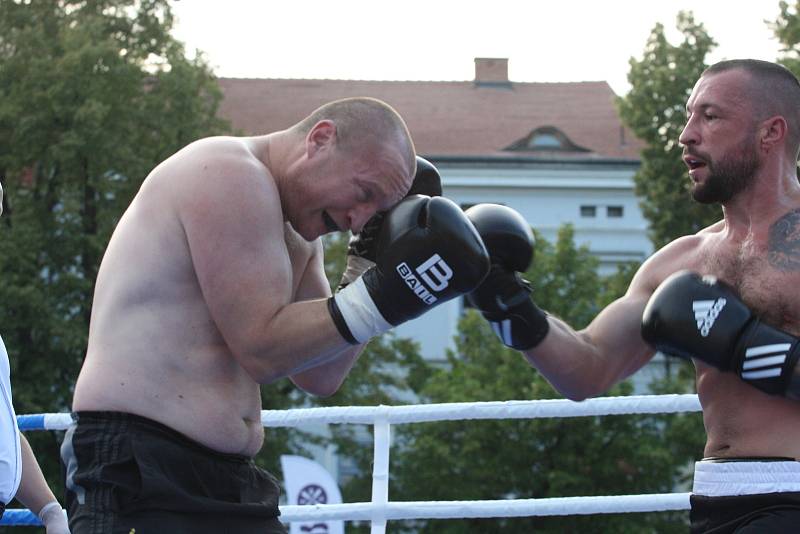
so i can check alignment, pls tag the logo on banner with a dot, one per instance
(312, 494)
(434, 272)
(308, 483)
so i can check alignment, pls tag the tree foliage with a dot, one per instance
(92, 96)
(654, 109)
(787, 30)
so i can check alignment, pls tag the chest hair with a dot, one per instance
(765, 272)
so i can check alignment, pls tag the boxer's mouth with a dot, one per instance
(330, 224)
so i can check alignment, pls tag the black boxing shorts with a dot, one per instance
(125, 473)
(746, 496)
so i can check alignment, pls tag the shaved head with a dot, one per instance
(361, 122)
(772, 90)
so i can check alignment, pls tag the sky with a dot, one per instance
(544, 41)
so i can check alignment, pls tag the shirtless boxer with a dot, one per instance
(728, 297)
(213, 284)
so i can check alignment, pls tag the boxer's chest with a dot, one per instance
(770, 290)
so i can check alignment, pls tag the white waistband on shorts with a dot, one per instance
(720, 478)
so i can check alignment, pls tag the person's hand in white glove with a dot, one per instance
(54, 519)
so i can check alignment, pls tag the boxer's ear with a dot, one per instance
(321, 138)
(772, 132)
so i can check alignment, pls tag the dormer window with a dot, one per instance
(545, 139)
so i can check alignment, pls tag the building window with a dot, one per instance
(588, 211)
(614, 211)
(544, 141)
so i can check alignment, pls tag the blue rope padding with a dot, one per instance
(31, 422)
(20, 518)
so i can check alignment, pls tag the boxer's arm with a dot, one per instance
(232, 218)
(578, 364)
(586, 363)
(326, 378)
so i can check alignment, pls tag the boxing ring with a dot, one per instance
(380, 509)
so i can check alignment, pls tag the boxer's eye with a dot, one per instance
(365, 194)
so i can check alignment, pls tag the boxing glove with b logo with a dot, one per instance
(362, 248)
(427, 253)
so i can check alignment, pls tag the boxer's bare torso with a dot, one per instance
(764, 268)
(154, 349)
(758, 260)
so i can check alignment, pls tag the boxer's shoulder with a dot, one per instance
(685, 252)
(209, 163)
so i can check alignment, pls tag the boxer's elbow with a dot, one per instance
(261, 373)
(322, 380)
(584, 385)
(576, 382)
(262, 366)
(578, 394)
(313, 377)
(318, 388)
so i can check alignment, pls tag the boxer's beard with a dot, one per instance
(729, 176)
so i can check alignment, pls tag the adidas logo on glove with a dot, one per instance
(706, 313)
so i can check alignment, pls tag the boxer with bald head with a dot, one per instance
(213, 284)
(727, 297)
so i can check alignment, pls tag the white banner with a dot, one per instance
(307, 482)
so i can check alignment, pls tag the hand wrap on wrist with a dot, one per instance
(355, 314)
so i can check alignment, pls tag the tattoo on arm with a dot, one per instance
(784, 242)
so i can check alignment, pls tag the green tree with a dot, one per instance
(539, 458)
(787, 30)
(92, 96)
(654, 109)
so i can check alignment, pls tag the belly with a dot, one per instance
(742, 421)
(218, 406)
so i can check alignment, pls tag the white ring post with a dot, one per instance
(380, 474)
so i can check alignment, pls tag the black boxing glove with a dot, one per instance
(701, 317)
(427, 253)
(504, 296)
(361, 250)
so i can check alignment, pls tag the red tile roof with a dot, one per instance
(447, 118)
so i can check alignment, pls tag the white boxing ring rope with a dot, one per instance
(380, 509)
